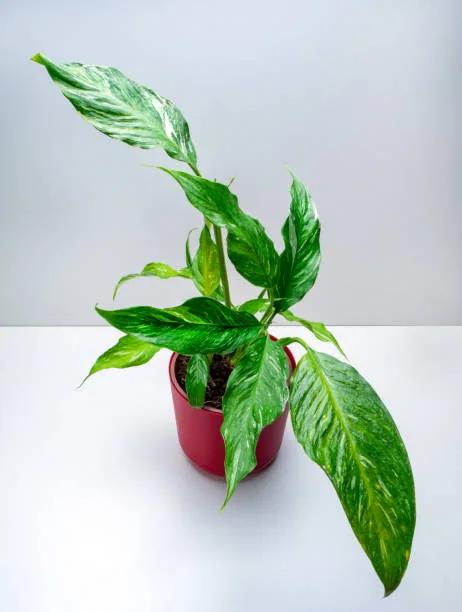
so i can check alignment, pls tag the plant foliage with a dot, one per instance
(337, 417)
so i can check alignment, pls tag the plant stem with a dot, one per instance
(221, 253)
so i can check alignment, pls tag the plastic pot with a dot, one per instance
(199, 430)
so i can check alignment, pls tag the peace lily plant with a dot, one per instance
(336, 415)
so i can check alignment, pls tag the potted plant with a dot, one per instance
(229, 377)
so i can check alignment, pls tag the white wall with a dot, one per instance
(360, 99)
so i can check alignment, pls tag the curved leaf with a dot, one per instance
(205, 266)
(160, 270)
(256, 396)
(250, 249)
(344, 427)
(197, 376)
(200, 325)
(299, 262)
(318, 329)
(128, 352)
(253, 254)
(123, 109)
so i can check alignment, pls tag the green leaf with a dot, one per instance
(250, 249)
(253, 254)
(299, 262)
(205, 265)
(318, 329)
(128, 352)
(160, 270)
(122, 109)
(197, 376)
(200, 325)
(343, 426)
(256, 396)
(254, 306)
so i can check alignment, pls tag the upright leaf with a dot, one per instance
(128, 352)
(299, 262)
(256, 395)
(253, 254)
(200, 325)
(197, 376)
(318, 329)
(205, 266)
(160, 270)
(344, 427)
(122, 109)
(250, 249)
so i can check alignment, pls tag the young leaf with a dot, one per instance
(256, 395)
(254, 306)
(197, 376)
(205, 266)
(123, 109)
(200, 325)
(300, 260)
(128, 352)
(253, 254)
(160, 270)
(317, 328)
(344, 427)
(249, 248)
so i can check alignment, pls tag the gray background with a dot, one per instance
(361, 99)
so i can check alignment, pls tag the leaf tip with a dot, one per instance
(38, 58)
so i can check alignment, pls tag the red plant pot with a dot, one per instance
(199, 430)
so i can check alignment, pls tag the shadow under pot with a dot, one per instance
(199, 429)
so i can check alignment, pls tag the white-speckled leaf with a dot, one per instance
(123, 109)
(199, 325)
(250, 249)
(197, 376)
(343, 426)
(256, 395)
(299, 262)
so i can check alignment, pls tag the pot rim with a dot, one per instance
(175, 383)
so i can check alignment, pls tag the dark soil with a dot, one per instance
(219, 374)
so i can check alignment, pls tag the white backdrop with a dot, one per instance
(361, 99)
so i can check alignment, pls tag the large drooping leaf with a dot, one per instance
(200, 325)
(128, 352)
(160, 270)
(205, 266)
(344, 427)
(299, 262)
(123, 109)
(197, 376)
(256, 395)
(317, 328)
(249, 247)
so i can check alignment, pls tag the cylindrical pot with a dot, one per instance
(199, 430)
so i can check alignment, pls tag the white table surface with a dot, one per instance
(100, 511)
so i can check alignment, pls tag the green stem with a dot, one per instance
(221, 252)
